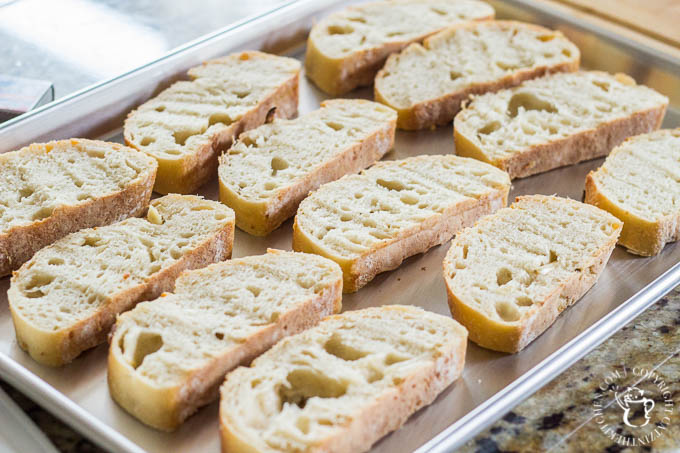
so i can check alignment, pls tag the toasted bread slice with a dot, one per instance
(514, 272)
(52, 189)
(342, 385)
(66, 298)
(168, 357)
(640, 184)
(268, 172)
(555, 121)
(346, 49)
(369, 223)
(427, 84)
(187, 125)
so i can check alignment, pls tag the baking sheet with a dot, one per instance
(491, 383)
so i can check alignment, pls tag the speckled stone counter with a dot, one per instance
(563, 417)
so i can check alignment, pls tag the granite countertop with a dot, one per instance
(561, 417)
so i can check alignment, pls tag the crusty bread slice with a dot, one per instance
(52, 189)
(168, 357)
(427, 84)
(186, 126)
(555, 121)
(514, 272)
(269, 170)
(347, 48)
(640, 184)
(66, 298)
(342, 385)
(369, 223)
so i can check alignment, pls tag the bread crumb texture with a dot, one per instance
(373, 25)
(71, 280)
(467, 55)
(550, 109)
(640, 184)
(342, 385)
(41, 178)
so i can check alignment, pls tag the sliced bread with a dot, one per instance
(370, 222)
(168, 357)
(52, 189)
(187, 125)
(342, 385)
(346, 49)
(427, 84)
(555, 121)
(514, 272)
(66, 298)
(269, 170)
(640, 184)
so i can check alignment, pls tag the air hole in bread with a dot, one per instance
(269, 186)
(55, 261)
(340, 30)
(302, 423)
(393, 358)
(490, 128)
(507, 66)
(335, 346)
(172, 152)
(304, 384)
(507, 311)
(334, 125)
(26, 192)
(391, 185)
(34, 294)
(146, 141)
(218, 118)
(43, 213)
(361, 20)
(91, 241)
(181, 137)
(409, 199)
(147, 343)
(83, 197)
(566, 53)
(202, 208)
(465, 251)
(392, 34)
(160, 108)
(545, 38)
(453, 75)
(277, 164)
(254, 290)
(528, 101)
(552, 256)
(503, 276)
(219, 335)
(441, 12)
(96, 153)
(524, 301)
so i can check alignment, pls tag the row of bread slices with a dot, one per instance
(531, 109)
(508, 277)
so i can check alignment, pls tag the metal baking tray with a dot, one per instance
(492, 382)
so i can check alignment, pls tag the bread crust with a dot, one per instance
(261, 218)
(442, 110)
(188, 174)
(61, 347)
(20, 243)
(586, 145)
(166, 408)
(433, 231)
(338, 76)
(371, 422)
(639, 236)
(512, 337)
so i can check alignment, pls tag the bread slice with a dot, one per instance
(369, 223)
(427, 84)
(168, 357)
(556, 121)
(187, 125)
(346, 49)
(66, 298)
(266, 174)
(639, 183)
(514, 272)
(52, 189)
(342, 385)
